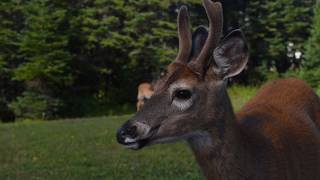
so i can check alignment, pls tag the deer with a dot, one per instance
(145, 91)
(274, 136)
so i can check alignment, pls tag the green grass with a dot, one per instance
(240, 95)
(87, 149)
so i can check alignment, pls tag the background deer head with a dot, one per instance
(191, 98)
(145, 91)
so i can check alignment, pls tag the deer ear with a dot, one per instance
(231, 55)
(199, 37)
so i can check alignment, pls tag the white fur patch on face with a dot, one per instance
(132, 146)
(129, 140)
(143, 128)
(182, 105)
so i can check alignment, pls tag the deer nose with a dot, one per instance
(126, 131)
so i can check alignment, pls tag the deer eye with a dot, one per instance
(183, 94)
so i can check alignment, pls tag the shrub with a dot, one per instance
(35, 106)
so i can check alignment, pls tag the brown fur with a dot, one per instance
(275, 136)
(289, 94)
(175, 71)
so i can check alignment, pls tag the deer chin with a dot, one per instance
(152, 137)
(137, 144)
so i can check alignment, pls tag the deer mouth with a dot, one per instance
(137, 144)
(142, 142)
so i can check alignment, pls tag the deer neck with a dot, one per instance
(219, 149)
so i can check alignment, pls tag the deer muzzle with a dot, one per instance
(135, 135)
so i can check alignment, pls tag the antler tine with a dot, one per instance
(214, 13)
(184, 32)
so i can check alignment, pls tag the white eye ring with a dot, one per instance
(182, 105)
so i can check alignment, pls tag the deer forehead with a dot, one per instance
(178, 75)
(181, 84)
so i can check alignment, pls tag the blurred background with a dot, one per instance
(80, 62)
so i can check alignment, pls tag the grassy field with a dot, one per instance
(87, 149)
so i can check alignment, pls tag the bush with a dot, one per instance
(312, 77)
(32, 105)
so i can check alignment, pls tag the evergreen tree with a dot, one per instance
(43, 66)
(43, 46)
(276, 30)
(85, 53)
(310, 69)
(11, 24)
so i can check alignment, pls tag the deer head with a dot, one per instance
(191, 98)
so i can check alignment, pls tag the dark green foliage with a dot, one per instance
(92, 54)
(35, 106)
(276, 30)
(11, 23)
(43, 46)
(98, 49)
(311, 66)
(6, 114)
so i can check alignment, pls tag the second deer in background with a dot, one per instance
(145, 91)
